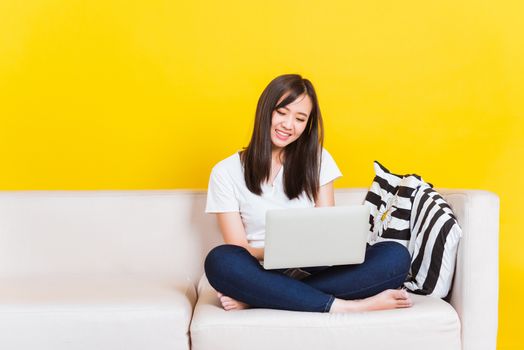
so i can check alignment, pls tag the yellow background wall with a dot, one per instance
(108, 94)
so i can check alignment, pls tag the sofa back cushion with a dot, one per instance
(75, 233)
(152, 233)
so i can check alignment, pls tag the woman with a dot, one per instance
(286, 166)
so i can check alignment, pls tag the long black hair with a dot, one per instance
(302, 158)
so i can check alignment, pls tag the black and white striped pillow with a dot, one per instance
(435, 237)
(390, 199)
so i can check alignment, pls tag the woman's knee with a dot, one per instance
(220, 257)
(397, 254)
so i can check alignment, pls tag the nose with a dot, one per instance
(287, 122)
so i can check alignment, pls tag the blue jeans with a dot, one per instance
(233, 271)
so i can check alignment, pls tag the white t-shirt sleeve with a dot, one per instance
(221, 196)
(329, 170)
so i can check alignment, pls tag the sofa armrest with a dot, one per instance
(474, 294)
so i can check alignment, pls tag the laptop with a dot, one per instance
(324, 236)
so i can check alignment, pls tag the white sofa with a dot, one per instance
(123, 270)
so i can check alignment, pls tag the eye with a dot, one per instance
(279, 111)
(301, 120)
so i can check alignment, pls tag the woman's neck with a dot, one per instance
(277, 156)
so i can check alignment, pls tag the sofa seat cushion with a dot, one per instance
(112, 313)
(430, 323)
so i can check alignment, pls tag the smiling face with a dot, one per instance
(290, 121)
(288, 129)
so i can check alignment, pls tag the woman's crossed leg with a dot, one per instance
(242, 282)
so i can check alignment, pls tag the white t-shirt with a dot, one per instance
(227, 192)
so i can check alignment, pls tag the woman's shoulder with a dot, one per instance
(326, 154)
(229, 165)
(328, 168)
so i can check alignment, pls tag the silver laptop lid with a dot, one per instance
(324, 236)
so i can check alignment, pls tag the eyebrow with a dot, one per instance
(304, 114)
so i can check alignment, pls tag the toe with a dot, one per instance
(400, 294)
(229, 306)
(404, 303)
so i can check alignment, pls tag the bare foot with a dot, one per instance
(388, 299)
(230, 303)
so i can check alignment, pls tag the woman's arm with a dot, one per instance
(326, 196)
(233, 232)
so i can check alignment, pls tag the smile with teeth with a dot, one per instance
(282, 135)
